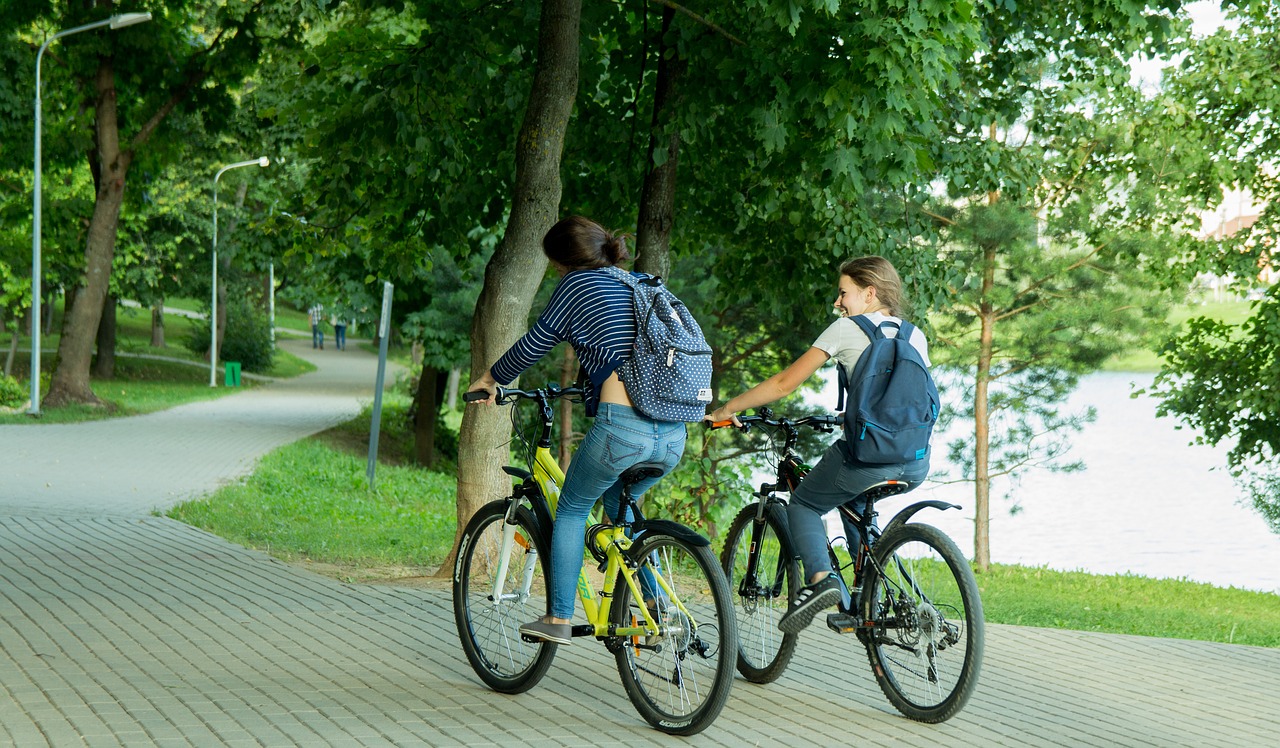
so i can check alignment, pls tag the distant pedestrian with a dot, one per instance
(317, 332)
(339, 332)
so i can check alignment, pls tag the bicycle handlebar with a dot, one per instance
(511, 394)
(765, 417)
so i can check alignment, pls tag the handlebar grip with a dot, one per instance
(717, 424)
(474, 395)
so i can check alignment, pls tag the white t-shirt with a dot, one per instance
(844, 341)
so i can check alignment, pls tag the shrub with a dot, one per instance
(247, 338)
(12, 394)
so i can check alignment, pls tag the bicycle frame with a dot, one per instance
(542, 489)
(789, 474)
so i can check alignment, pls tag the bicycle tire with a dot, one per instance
(490, 633)
(679, 683)
(758, 603)
(926, 648)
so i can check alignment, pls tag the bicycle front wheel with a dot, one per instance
(762, 575)
(926, 646)
(679, 679)
(488, 616)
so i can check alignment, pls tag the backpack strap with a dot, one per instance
(873, 332)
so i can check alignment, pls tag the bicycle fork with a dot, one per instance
(510, 539)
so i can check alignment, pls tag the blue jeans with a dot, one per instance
(830, 484)
(340, 337)
(619, 439)
(317, 337)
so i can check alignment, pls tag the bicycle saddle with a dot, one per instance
(637, 473)
(884, 490)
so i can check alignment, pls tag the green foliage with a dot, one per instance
(246, 339)
(1219, 379)
(1220, 121)
(12, 393)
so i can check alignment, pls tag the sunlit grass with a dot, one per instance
(1148, 361)
(311, 501)
(1129, 604)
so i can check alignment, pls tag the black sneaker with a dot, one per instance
(810, 599)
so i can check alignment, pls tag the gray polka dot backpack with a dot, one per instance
(668, 376)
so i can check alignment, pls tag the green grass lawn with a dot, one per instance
(1231, 312)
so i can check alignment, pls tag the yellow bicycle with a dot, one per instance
(663, 608)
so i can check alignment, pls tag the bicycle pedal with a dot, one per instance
(842, 623)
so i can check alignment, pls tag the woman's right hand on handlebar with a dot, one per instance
(487, 385)
(719, 419)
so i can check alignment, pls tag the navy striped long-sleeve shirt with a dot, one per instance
(591, 310)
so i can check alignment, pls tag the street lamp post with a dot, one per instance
(118, 21)
(213, 313)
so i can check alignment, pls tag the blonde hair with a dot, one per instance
(877, 272)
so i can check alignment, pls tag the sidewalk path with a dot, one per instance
(121, 628)
(132, 466)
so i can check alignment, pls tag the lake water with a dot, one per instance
(1148, 503)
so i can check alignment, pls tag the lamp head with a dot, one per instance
(263, 161)
(128, 19)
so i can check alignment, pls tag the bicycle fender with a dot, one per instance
(674, 529)
(908, 512)
(516, 472)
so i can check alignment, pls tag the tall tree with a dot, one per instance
(517, 266)
(1220, 124)
(191, 55)
(1039, 230)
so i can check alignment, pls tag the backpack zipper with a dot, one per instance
(672, 350)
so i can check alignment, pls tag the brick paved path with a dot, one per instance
(120, 628)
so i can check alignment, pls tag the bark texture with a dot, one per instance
(517, 266)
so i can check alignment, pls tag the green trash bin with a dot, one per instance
(231, 371)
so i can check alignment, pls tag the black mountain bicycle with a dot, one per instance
(910, 594)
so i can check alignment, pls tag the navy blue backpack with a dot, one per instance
(893, 401)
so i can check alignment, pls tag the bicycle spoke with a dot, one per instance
(678, 678)
(926, 647)
(761, 576)
(488, 617)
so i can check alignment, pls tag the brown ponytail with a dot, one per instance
(579, 243)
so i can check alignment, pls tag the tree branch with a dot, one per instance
(681, 9)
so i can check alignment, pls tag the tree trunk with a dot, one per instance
(517, 266)
(658, 196)
(13, 349)
(451, 389)
(104, 366)
(46, 311)
(157, 325)
(982, 410)
(425, 411)
(70, 382)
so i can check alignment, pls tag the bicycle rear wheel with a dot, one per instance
(760, 596)
(926, 647)
(489, 625)
(678, 681)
